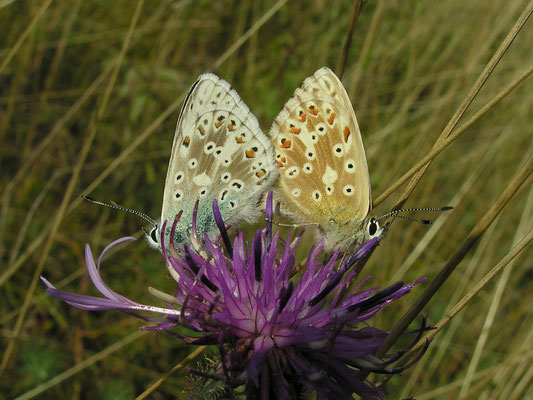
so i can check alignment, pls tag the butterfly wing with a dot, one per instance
(323, 170)
(219, 152)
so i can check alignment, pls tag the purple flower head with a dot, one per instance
(280, 336)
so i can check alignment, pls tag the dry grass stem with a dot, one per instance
(66, 198)
(521, 177)
(172, 372)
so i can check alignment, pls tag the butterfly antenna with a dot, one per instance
(421, 221)
(119, 207)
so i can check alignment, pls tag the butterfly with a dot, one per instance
(324, 180)
(219, 152)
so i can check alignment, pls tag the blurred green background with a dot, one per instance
(410, 64)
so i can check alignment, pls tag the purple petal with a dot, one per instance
(194, 215)
(97, 280)
(113, 244)
(221, 227)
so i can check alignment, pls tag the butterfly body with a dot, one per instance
(219, 152)
(324, 180)
(349, 235)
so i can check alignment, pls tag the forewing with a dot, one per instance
(320, 154)
(219, 152)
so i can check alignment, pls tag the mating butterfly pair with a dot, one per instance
(314, 159)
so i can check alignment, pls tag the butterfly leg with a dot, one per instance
(292, 225)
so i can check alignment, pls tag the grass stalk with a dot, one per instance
(521, 177)
(68, 194)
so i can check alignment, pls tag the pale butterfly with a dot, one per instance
(324, 180)
(219, 152)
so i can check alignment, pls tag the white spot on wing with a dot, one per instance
(226, 177)
(209, 147)
(236, 185)
(330, 176)
(223, 195)
(338, 150)
(349, 166)
(316, 195)
(348, 190)
(321, 129)
(217, 153)
(202, 180)
(292, 172)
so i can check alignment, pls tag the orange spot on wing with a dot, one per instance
(231, 127)
(286, 144)
(313, 110)
(218, 124)
(261, 173)
(239, 140)
(303, 117)
(201, 129)
(250, 153)
(186, 141)
(283, 159)
(280, 165)
(331, 118)
(347, 133)
(294, 130)
(260, 182)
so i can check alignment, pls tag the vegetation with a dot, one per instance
(89, 97)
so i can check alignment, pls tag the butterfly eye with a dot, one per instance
(153, 234)
(372, 227)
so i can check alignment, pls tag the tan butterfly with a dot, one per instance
(324, 180)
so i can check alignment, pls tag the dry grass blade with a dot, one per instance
(526, 356)
(506, 378)
(67, 196)
(24, 226)
(367, 46)
(516, 251)
(48, 245)
(57, 129)
(440, 146)
(487, 156)
(169, 374)
(238, 43)
(6, 196)
(524, 225)
(521, 177)
(24, 35)
(357, 4)
(513, 253)
(82, 365)
(437, 353)
(463, 107)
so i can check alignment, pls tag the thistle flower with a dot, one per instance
(280, 336)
